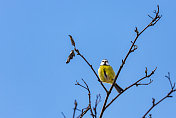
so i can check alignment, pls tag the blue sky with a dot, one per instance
(35, 82)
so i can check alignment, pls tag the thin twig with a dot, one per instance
(98, 99)
(152, 23)
(75, 108)
(145, 83)
(92, 114)
(135, 83)
(72, 54)
(78, 53)
(167, 96)
(84, 112)
(89, 96)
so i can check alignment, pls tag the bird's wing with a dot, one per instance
(105, 75)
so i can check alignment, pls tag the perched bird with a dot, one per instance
(107, 74)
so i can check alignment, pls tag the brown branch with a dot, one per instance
(152, 23)
(167, 96)
(89, 96)
(135, 83)
(84, 112)
(78, 53)
(72, 40)
(75, 108)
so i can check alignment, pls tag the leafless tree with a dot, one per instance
(93, 110)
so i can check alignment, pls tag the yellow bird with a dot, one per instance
(107, 74)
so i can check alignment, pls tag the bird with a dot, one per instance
(107, 74)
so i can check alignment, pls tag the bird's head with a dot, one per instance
(104, 62)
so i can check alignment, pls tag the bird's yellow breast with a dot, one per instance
(106, 74)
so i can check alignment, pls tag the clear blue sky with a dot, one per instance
(35, 82)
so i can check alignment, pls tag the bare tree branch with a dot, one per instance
(132, 49)
(89, 107)
(145, 83)
(168, 77)
(72, 41)
(167, 96)
(75, 108)
(135, 83)
(84, 112)
(89, 96)
(78, 53)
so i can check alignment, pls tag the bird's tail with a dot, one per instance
(118, 88)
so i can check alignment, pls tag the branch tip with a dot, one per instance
(72, 41)
(146, 71)
(136, 30)
(153, 101)
(154, 71)
(162, 99)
